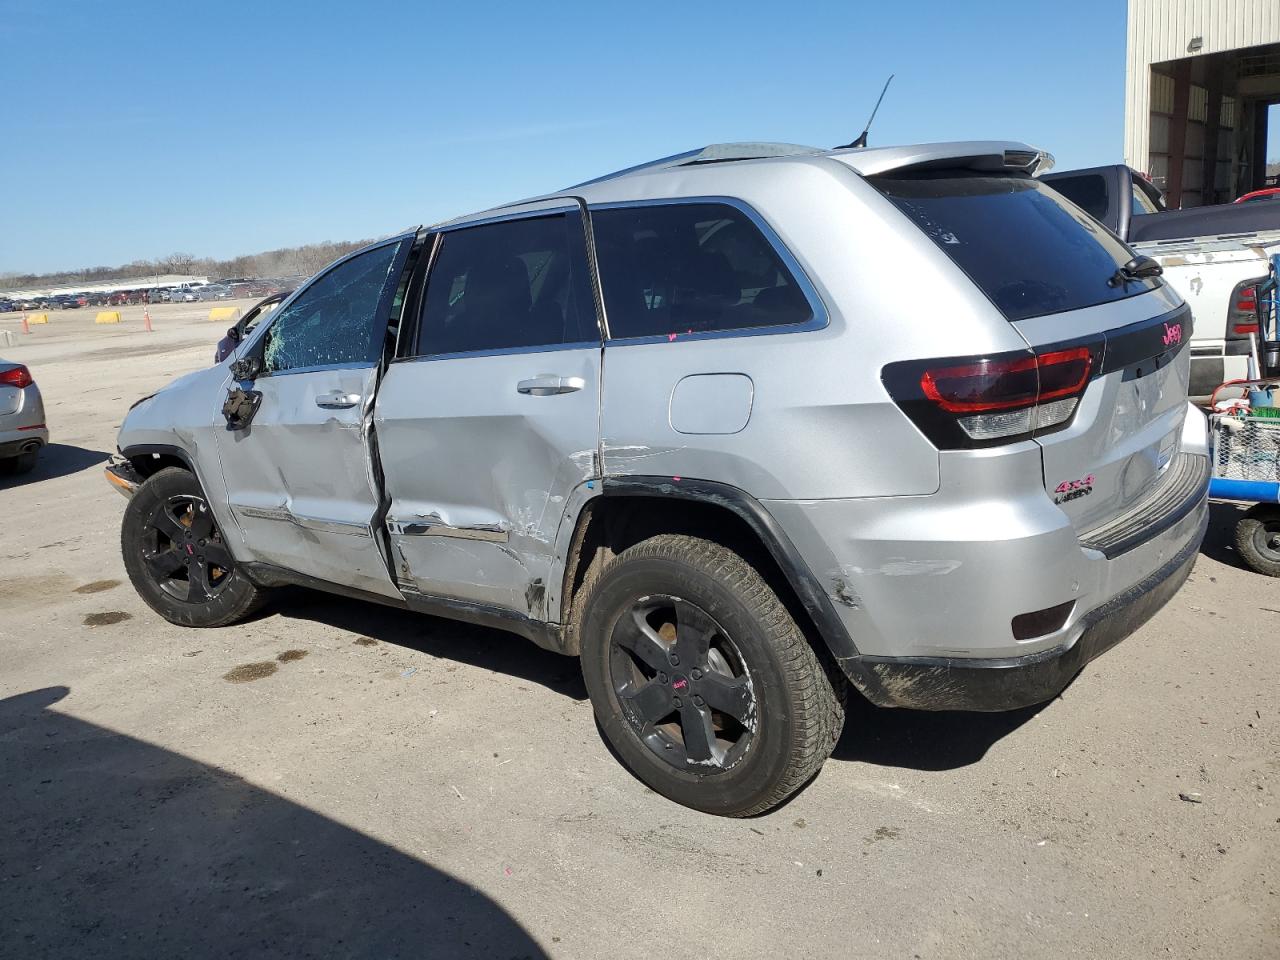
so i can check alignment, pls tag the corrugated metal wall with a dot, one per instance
(1159, 31)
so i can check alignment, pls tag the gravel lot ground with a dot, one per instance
(394, 785)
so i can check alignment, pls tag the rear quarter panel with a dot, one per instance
(821, 423)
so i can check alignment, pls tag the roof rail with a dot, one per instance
(713, 153)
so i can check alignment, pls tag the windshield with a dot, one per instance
(1028, 248)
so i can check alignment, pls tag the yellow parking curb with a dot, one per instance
(224, 313)
(107, 316)
(38, 318)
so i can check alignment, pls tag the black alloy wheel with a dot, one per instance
(178, 560)
(682, 683)
(184, 551)
(701, 680)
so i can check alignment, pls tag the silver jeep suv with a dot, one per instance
(736, 428)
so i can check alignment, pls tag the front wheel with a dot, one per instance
(1258, 538)
(176, 556)
(702, 681)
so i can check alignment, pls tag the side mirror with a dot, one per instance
(246, 368)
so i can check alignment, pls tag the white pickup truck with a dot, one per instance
(1213, 256)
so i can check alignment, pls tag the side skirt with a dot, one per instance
(546, 635)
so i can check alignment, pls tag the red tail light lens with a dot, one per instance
(1003, 398)
(991, 385)
(990, 400)
(1244, 310)
(18, 377)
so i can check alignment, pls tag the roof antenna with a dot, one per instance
(862, 137)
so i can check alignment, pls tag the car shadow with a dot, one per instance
(114, 847)
(913, 739)
(1220, 539)
(493, 650)
(56, 460)
(922, 739)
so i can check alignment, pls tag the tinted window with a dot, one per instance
(1142, 202)
(1088, 192)
(691, 267)
(335, 320)
(518, 283)
(1029, 250)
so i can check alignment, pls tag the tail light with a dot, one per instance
(1242, 318)
(988, 400)
(18, 377)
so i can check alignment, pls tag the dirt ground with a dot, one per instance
(335, 779)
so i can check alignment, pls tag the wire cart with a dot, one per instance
(1245, 432)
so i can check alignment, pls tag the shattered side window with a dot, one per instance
(335, 321)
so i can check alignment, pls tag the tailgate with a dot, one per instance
(1126, 432)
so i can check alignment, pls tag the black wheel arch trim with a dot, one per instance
(163, 449)
(807, 587)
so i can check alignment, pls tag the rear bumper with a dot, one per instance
(989, 685)
(15, 445)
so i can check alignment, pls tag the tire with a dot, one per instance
(171, 546)
(702, 682)
(1258, 538)
(22, 463)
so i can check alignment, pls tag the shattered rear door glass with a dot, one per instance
(335, 321)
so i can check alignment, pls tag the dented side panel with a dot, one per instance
(300, 481)
(478, 475)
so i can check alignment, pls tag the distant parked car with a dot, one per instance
(157, 295)
(1270, 193)
(213, 291)
(22, 428)
(245, 325)
(183, 295)
(7, 306)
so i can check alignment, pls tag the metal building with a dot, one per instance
(1200, 77)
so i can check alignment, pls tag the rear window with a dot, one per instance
(1030, 250)
(1088, 192)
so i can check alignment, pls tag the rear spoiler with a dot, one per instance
(983, 156)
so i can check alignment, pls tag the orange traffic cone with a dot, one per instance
(26, 327)
(146, 319)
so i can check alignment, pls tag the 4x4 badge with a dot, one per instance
(1073, 489)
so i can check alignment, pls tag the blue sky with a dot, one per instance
(135, 129)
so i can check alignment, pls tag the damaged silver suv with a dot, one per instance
(737, 428)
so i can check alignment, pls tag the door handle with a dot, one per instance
(337, 400)
(548, 384)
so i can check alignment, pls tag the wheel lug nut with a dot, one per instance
(697, 674)
(676, 702)
(675, 660)
(698, 701)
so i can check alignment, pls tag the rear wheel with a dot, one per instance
(176, 556)
(1258, 538)
(22, 463)
(702, 681)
